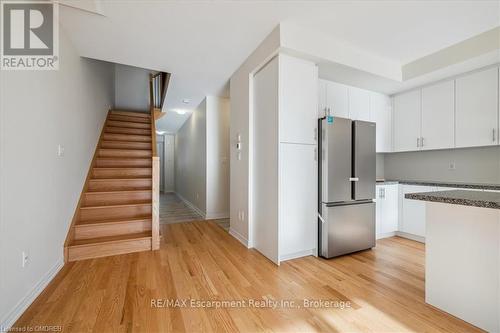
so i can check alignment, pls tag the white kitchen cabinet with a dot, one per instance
(337, 99)
(283, 176)
(299, 89)
(407, 121)
(298, 209)
(359, 104)
(412, 216)
(387, 210)
(477, 109)
(380, 113)
(438, 116)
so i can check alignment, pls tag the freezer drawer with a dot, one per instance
(346, 228)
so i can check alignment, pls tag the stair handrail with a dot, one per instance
(155, 165)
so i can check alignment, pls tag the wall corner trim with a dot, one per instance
(30, 297)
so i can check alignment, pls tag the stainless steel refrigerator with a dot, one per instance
(347, 179)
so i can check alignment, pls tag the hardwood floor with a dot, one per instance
(200, 261)
(174, 210)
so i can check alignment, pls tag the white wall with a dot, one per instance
(39, 190)
(169, 172)
(131, 88)
(190, 159)
(217, 157)
(240, 125)
(202, 158)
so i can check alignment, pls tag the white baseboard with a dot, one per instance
(192, 206)
(239, 237)
(26, 301)
(410, 236)
(299, 254)
(386, 235)
(216, 216)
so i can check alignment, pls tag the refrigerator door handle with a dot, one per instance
(354, 179)
(321, 218)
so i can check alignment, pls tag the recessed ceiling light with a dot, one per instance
(180, 111)
(186, 101)
(160, 132)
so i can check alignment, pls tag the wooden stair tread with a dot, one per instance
(110, 239)
(126, 137)
(145, 203)
(121, 205)
(132, 145)
(131, 113)
(115, 221)
(129, 118)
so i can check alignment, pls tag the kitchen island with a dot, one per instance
(462, 273)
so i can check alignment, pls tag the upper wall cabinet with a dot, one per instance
(333, 99)
(380, 113)
(477, 109)
(438, 116)
(359, 104)
(299, 89)
(407, 121)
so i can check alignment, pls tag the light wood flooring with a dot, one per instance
(200, 261)
(174, 210)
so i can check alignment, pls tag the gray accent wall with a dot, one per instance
(474, 165)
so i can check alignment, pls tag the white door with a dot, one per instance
(298, 100)
(321, 98)
(169, 163)
(413, 211)
(407, 121)
(337, 99)
(438, 116)
(477, 109)
(359, 104)
(298, 199)
(161, 154)
(380, 113)
(264, 168)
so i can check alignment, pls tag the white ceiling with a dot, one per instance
(203, 42)
(172, 121)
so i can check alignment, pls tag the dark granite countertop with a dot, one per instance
(460, 197)
(477, 186)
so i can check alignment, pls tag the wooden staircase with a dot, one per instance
(118, 208)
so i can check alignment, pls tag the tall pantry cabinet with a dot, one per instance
(283, 157)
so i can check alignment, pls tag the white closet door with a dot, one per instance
(264, 169)
(298, 100)
(298, 200)
(438, 116)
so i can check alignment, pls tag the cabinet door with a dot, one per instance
(322, 98)
(390, 209)
(413, 211)
(407, 121)
(298, 205)
(337, 99)
(298, 100)
(477, 109)
(380, 113)
(438, 116)
(359, 104)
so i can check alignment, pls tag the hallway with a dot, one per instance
(174, 210)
